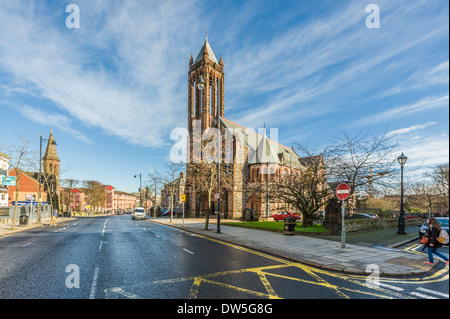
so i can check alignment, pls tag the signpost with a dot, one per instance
(183, 199)
(343, 192)
(8, 180)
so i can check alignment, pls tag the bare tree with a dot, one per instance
(306, 188)
(155, 181)
(70, 184)
(440, 175)
(19, 159)
(363, 160)
(169, 179)
(425, 194)
(95, 193)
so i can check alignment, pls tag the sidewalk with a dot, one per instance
(5, 228)
(311, 250)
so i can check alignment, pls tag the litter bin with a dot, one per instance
(289, 226)
(23, 220)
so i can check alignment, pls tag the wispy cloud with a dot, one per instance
(56, 120)
(438, 75)
(410, 129)
(404, 110)
(124, 75)
(314, 62)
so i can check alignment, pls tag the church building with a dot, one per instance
(250, 161)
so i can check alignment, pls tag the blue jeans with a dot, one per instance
(433, 250)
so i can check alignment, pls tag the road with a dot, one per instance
(114, 257)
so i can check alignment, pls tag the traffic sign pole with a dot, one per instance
(183, 200)
(343, 225)
(343, 192)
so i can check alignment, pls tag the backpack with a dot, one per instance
(443, 237)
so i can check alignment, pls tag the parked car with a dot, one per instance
(412, 215)
(443, 221)
(165, 212)
(282, 215)
(139, 212)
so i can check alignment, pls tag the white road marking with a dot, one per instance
(94, 284)
(421, 295)
(433, 292)
(26, 245)
(125, 293)
(188, 251)
(389, 286)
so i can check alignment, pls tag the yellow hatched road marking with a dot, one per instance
(315, 273)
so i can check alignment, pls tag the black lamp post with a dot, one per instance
(401, 219)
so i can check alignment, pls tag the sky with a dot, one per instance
(114, 88)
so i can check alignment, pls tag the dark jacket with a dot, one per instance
(433, 235)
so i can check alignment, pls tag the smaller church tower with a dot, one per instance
(51, 160)
(51, 170)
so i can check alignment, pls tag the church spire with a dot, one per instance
(206, 51)
(50, 151)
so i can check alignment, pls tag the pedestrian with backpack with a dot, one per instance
(434, 232)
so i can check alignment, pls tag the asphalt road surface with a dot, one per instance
(114, 257)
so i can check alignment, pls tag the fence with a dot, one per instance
(7, 213)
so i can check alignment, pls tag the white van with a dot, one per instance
(139, 212)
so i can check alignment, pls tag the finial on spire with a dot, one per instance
(206, 37)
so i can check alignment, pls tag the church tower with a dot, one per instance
(206, 98)
(51, 169)
(51, 160)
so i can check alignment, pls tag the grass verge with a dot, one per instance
(279, 226)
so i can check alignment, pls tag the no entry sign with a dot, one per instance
(343, 191)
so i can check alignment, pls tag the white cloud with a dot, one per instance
(123, 75)
(56, 120)
(319, 61)
(420, 79)
(403, 110)
(410, 129)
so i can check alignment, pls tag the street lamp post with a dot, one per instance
(140, 187)
(401, 219)
(219, 159)
(38, 215)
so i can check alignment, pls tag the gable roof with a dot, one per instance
(262, 149)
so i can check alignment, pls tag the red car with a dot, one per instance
(283, 215)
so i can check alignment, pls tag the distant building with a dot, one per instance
(28, 189)
(124, 201)
(111, 201)
(29, 181)
(178, 190)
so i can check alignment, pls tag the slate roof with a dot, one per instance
(211, 55)
(50, 151)
(272, 152)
